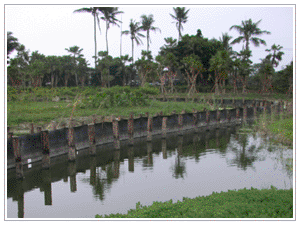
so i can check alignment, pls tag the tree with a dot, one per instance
(12, 43)
(134, 34)
(109, 16)
(147, 22)
(95, 12)
(225, 39)
(76, 51)
(145, 66)
(248, 30)
(181, 17)
(276, 56)
(193, 68)
(219, 64)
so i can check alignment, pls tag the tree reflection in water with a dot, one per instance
(179, 169)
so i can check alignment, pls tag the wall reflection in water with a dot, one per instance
(104, 168)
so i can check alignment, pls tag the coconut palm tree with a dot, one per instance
(181, 17)
(248, 30)
(76, 51)
(147, 22)
(276, 56)
(95, 12)
(12, 43)
(109, 16)
(225, 42)
(134, 34)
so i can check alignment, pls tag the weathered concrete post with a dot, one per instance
(195, 120)
(116, 132)
(92, 139)
(245, 112)
(164, 127)
(71, 143)
(255, 111)
(18, 159)
(237, 113)
(149, 127)
(180, 122)
(228, 116)
(131, 159)
(39, 129)
(10, 134)
(46, 149)
(149, 153)
(31, 128)
(218, 118)
(130, 128)
(116, 163)
(72, 174)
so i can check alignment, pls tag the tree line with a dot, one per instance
(198, 61)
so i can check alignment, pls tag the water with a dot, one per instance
(195, 164)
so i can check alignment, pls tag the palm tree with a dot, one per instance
(276, 56)
(95, 12)
(134, 34)
(247, 30)
(147, 22)
(76, 51)
(181, 17)
(225, 42)
(12, 43)
(109, 16)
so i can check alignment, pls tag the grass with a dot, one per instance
(244, 203)
(280, 130)
(36, 112)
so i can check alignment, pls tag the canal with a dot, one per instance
(189, 165)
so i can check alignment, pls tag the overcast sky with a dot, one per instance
(52, 28)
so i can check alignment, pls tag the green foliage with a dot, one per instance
(244, 203)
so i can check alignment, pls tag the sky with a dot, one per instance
(50, 29)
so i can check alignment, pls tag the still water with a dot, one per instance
(195, 164)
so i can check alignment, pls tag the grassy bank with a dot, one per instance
(280, 130)
(244, 203)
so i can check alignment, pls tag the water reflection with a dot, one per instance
(182, 154)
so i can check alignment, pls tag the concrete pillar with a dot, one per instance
(180, 122)
(195, 120)
(164, 127)
(218, 117)
(18, 159)
(93, 166)
(20, 197)
(31, 128)
(71, 144)
(92, 139)
(10, 134)
(8, 131)
(39, 129)
(116, 163)
(131, 159)
(46, 149)
(149, 127)
(245, 112)
(47, 187)
(228, 116)
(72, 174)
(130, 129)
(116, 132)
(149, 153)
(237, 114)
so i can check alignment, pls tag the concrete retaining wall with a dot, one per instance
(68, 140)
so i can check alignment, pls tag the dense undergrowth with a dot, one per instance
(244, 203)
